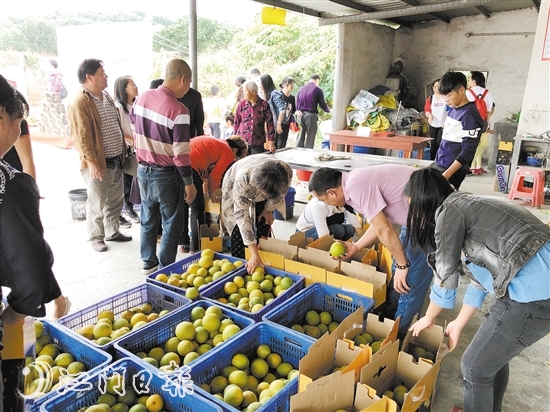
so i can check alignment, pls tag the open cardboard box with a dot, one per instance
(337, 392)
(360, 278)
(210, 238)
(389, 368)
(385, 261)
(312, 264)
(274, 251)
(432, 340)
(366, 256)
(326, 354)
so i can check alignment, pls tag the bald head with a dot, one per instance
(177, 77)
(177, 68)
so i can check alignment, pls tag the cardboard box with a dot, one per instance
(210, 238)
(432, 340)
(326, 394)
(502, 174)
(273, 252)
(389, 368)
(385, 261)
(22, 339)
(504, 158)
(325, 354)
(312, 274)
(360, 278)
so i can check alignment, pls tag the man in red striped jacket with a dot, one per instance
(164, 173)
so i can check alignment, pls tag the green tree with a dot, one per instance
(41, 36)
(212, 36)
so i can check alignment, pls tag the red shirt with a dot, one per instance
(251, 122)
(211, 157)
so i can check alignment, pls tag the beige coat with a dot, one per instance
(85, 126)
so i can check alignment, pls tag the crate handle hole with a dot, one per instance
(345, 297)
(293, 342)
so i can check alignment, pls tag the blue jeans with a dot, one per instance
(339, 232)
(509, 328)
(162, 193)
(419, 278)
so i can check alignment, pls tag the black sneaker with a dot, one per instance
(134, 217)
(124, 222)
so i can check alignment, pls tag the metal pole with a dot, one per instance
(193, 40)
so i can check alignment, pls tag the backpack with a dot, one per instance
(480, 103)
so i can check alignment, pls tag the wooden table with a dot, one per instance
(350, 138)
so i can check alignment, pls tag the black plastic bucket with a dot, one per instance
(78, 199)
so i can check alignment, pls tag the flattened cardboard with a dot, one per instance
(210, 238)
(390, 368)
(326, 394)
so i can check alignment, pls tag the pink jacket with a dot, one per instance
(55, 82)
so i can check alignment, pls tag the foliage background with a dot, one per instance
(225, 51)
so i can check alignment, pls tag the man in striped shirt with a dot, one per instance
(96, 131)
(164, 172)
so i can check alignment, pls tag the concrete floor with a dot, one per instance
(88, 277)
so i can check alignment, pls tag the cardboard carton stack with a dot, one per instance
(336, 374)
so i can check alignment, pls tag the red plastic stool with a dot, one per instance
(536, 193)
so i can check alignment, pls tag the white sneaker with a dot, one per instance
(147, 272)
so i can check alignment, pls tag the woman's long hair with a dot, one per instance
(267, 85)
(120, 92)
(427, 190)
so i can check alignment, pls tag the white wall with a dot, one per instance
(537, 90)
(431, 49)
(363, 60)
(124, 48)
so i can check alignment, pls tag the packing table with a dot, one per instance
(306, 159)
(350, 138)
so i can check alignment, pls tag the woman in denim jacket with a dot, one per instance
(508, 250)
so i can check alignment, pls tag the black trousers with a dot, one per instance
(262, 230)
(435, 133)
(197, 216)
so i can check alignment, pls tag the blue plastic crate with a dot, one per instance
(84, 352)
(291, 345)
(182, 265)
(319, 297)
(74, 400)
(156, 334)
(159, 298)
(216, 291)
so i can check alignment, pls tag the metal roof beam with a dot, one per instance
(407, 11)
(353, 5)
(291, 7)
(537, 5)
(483, 11)
(410, 2)
(441, 17)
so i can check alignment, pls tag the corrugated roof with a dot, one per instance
(400, 11)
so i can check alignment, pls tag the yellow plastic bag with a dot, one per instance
(387, 101)
(273, 15)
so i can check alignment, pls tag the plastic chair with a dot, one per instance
(534, 194)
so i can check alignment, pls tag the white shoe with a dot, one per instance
(147, 272)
